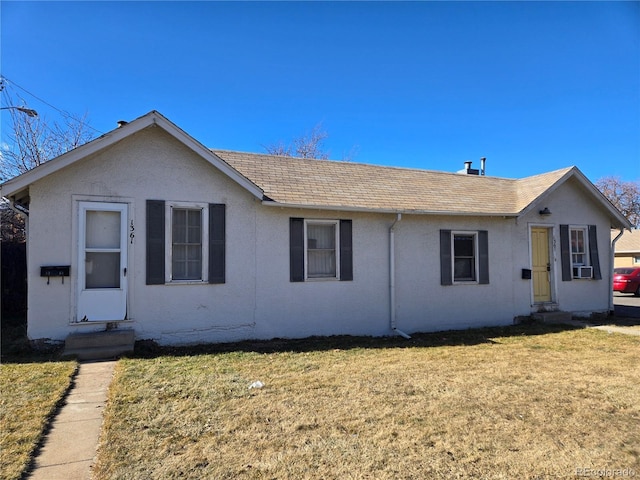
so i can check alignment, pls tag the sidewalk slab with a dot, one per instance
(69, 448)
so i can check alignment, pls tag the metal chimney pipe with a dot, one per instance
(467, 165)
(483, 162)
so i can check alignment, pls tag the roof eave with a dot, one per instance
(404, 211)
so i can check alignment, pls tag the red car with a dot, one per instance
(627, 280)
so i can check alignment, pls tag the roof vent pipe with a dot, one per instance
(483, 163)
(467, 170)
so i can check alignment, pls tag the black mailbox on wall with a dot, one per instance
(526, 274)
(55, 271)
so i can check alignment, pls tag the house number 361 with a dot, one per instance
(131, 232)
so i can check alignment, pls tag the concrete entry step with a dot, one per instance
(99, 345)
(552, 317)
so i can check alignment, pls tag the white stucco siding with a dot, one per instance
(49, 243)
(322, 307)
(147, 165)
(423, 304)
(569, 206)
(258, 300)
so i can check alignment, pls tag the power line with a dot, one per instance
(4, 81)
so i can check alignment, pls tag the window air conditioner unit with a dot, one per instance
(582, 272)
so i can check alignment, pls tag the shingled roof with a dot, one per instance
(357, 186)
(332, 185)
(629, 242)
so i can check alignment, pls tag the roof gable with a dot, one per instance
(18, 186)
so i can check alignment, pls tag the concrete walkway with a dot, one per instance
(617, 329)
(630, 330)
(69, 447)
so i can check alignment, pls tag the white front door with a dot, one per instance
(102, 262)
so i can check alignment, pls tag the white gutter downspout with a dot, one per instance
(612, 260)
(392, 279)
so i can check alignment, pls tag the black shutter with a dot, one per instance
(346, 250)
(217, 243)
(593, 252)
(296, 249)
(483, 257)
(446, 276)
(565, 253)
(155, 242)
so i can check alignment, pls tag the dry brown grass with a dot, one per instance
(30, 393)
(504, 406)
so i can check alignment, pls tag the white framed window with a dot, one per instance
(579, 252)
(579, 244)
(322, 251)
(187, 234)
(464, 256)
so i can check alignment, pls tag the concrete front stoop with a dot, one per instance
(99, 345)
(553, 317)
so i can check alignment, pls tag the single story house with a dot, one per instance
(627, 249)
(146, 229)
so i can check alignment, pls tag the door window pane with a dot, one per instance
(103, 229)
(102, 270)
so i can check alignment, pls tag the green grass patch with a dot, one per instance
(30, 394)
(522, 402)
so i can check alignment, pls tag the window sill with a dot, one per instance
(187, 282)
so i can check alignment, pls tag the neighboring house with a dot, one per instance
(184, 244)
(627, 249)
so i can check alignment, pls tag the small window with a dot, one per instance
(578, 247)
(198, 244)
(580, 267)
(320, 250)
(579, 252)
(186, 244)
(187, 234)
(321, 254)
(464, 257)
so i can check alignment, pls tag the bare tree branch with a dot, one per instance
(279, 149)
(33, 141)
(625, 196)
(12, 225)
(309, 145)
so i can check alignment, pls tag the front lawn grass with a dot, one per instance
(29, 394)
(522, 402)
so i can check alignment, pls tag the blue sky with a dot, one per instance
(531, 86)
